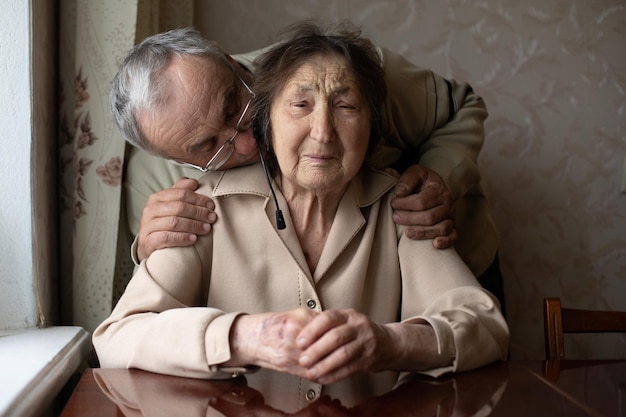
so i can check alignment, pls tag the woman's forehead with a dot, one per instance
(321, 71)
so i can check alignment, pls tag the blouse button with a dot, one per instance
(310, 395)
(311, 303)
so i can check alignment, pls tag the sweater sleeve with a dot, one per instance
(431, 121)
(438, 288)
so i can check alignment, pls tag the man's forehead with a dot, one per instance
(192, 104)
(203, 70)
(199, 83)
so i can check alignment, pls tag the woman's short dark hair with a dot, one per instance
(277, 65)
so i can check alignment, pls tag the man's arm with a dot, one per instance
(433, 122)
(161, 206)
(435, 127)
(424, 203)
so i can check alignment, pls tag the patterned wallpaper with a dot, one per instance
(553, 74)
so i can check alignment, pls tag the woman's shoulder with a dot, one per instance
(248, 179)
(373, 185)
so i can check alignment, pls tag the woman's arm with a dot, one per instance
(447, 323)
(161, 322)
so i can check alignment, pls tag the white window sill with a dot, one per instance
(36, 364)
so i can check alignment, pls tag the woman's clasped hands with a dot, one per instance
(324, 347)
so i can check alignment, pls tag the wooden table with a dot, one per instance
(514, 388)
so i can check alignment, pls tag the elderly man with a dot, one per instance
(432, 133)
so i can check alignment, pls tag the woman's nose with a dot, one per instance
(322, 125)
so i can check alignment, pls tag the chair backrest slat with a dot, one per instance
(589, 321)
(558, 320)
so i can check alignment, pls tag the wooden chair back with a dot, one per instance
(559, 320)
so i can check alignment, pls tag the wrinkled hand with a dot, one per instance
(339, 343)
(268, 340)
(424, 203)
(174, 217)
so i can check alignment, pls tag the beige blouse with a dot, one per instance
(176, 313)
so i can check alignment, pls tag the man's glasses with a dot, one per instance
(226, 150)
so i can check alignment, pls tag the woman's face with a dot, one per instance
(320, 125)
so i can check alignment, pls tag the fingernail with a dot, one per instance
(304, 360)
(401, 188)
(301, 342)
(206, 227)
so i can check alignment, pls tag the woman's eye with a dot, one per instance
(298, 102)
(298, 106)
(344, 105)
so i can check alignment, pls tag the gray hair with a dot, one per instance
(140, 83)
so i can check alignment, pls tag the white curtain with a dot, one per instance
(94, 242)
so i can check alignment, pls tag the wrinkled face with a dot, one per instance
(205, 102)
(320, 125)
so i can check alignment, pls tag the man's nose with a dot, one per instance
(245, 143)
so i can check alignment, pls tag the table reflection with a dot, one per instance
(269, 394)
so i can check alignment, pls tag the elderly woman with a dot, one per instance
(338, 291)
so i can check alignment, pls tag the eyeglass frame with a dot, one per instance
(229, 142)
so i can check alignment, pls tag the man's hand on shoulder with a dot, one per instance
(174, 217)
(424, 203)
